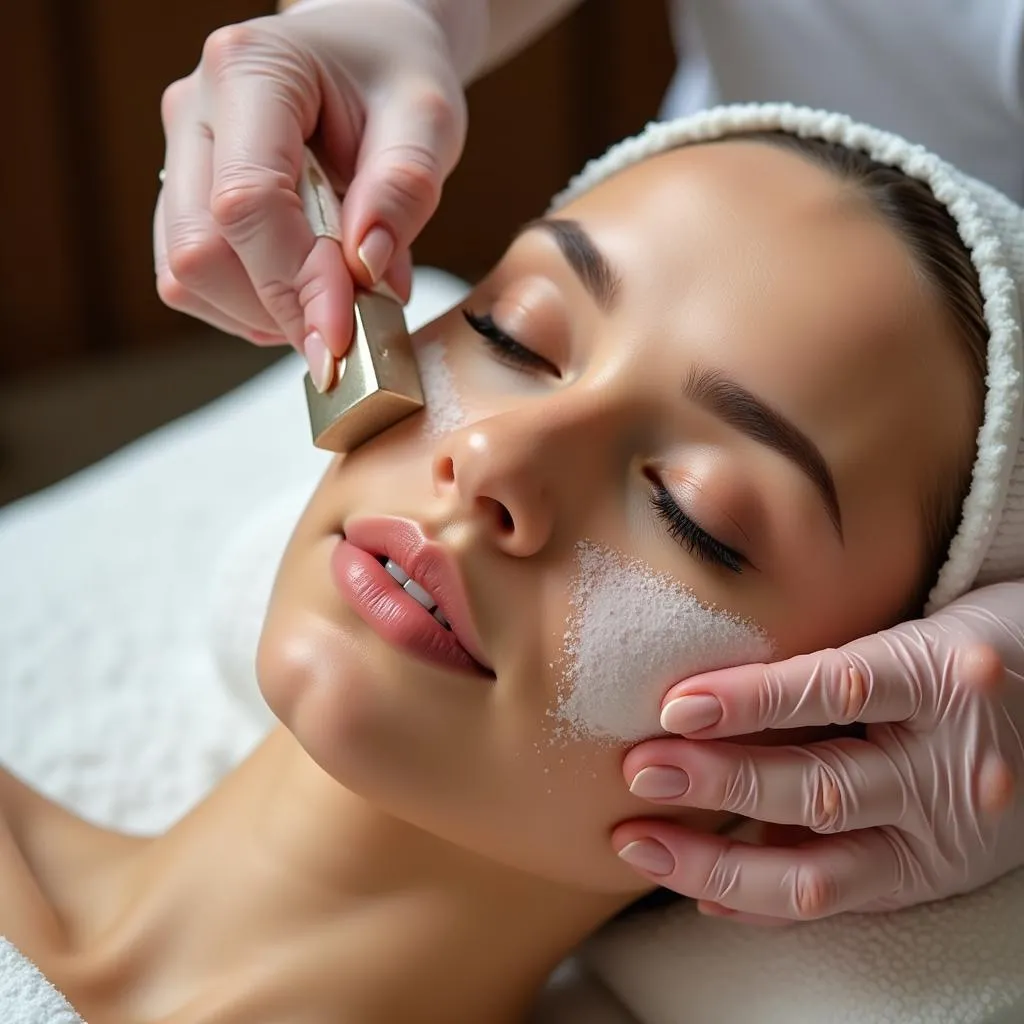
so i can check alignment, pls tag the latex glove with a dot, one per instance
(378, 81)
(923, 807)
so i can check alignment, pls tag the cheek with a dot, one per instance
(459, 387)
(548, 807)
(846, 592)
(515, 794)
(632, 633)
(569, 797)
(443, 405)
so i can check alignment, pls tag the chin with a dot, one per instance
(319, 683)
(352, 708)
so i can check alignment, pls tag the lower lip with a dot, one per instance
(391, 613)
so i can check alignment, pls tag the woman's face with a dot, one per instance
(718, 372)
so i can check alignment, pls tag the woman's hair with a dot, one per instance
(930, 233)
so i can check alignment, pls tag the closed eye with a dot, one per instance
(696, 540)
(506, 348)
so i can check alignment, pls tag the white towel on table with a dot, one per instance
(26, 997)
(959, 961)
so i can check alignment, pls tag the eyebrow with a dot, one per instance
(744, 411)
(589, 264)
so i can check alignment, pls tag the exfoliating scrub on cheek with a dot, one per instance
(442, 405)
(631, 633)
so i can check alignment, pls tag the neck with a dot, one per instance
(406, 926)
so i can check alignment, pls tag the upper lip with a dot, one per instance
(428, 563)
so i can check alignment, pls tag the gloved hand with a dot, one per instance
(378, 81)
(923, 807)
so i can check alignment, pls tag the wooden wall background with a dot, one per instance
(83, 144)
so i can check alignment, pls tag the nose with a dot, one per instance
(498, 477)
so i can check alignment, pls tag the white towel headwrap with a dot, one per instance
(989, 543)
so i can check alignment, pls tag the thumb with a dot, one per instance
(410, 145)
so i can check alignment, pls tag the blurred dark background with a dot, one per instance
(89, 357)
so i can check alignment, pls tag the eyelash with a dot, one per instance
(683, 529)
(505, 347)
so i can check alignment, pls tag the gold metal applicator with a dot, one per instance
(377, 383)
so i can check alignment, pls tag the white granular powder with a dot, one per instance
(631, 634)
(443, 408)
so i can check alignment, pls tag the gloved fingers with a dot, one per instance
(771, 835)
(768, 835)
(870, 680)
(176, 296)
(197, 307)
(325, 291)
(831, 786)
(200, 275)
(194, 262)
(997, 784)
(821, 877)
(410, 144)
(260, 125)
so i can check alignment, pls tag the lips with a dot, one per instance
(405, 620)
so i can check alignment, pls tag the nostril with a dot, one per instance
(499, 514)
(446, 470)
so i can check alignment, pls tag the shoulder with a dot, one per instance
(27, 918)
(48, 857)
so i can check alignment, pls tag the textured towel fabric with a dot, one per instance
(26, 997)
(960, 961)
(989, 544)
(110, 698)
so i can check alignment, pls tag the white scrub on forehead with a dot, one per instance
(633, 632)
(443, 408)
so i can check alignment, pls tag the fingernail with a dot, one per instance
(649, 855)
(375, 251)
(383, 288)
(688, 714)
(714, 910)
(263, 338)
(320, 360)
(659, 782)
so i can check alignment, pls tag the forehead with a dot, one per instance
(725, 235)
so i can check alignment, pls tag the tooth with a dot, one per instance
(413, 589)
(396, 571)
(440, 618)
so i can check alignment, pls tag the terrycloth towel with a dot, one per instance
(26, 997)
(960, 961)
